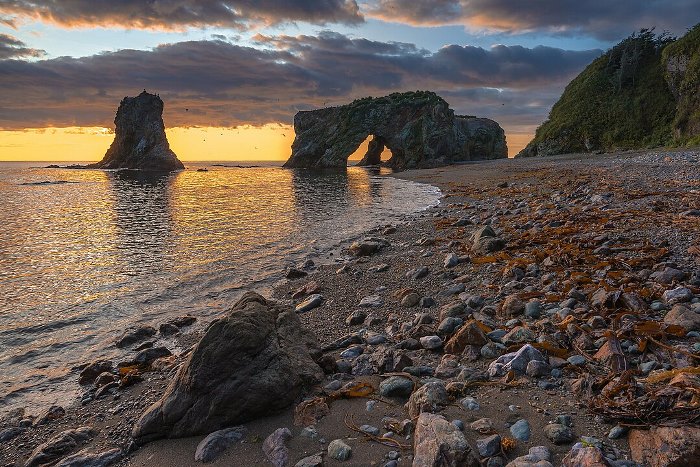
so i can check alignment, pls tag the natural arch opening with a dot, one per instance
(372, 151)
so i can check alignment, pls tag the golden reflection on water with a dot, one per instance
(80, 262)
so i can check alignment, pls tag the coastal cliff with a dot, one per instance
(419, 129)
(642, 93)
(139, 137)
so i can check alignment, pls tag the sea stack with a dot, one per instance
(139, 137)
(419, 128)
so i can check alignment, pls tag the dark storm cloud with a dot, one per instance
(223, 84)
(179, 14)
(605, 19)
(11, 47)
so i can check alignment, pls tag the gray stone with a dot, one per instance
(311, 302)
(533, 309)
(356, 317)
(521, 430)
(275, 449)
(518, 335)
(576, 360)
(59, 445)
(516, 361)
(680, 315)
(469, 403)
(145, 357)
(449, 324)
(558, 433)
(617, 432)
(134, 335)
(10, 433)
(668, 275)
(536, 368)
(410, 300)
(315, 460)
(88, 459)
(451, 260)
(396, 386)
(438, 442)
(217, 442)
(489, 446)
(677, 295)
(352, 352)
(339, 450)
(93, 370)
(369, 429)
(255, 360)
(418, 273)
(372, 301)
(430, 397)
(431, 342)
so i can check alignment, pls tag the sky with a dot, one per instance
(233, 73)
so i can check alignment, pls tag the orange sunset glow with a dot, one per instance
(264, 143)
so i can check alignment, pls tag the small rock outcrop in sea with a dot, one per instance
(255, 361)
(419, 129)
(139, 137)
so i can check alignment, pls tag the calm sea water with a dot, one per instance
(86, 254)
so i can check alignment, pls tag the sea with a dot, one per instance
(86, 254)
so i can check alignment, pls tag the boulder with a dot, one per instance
(139, 137)
(666, 446)
(254, 361)
(418, 127)
(438, 442)
(584, 456)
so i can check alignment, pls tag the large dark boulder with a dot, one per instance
(139, 137)
(254, 361)
(419, 129)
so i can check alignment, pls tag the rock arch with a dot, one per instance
(419, 129)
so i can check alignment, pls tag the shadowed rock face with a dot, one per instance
(419, 128)
(254, 361)
(139, 137)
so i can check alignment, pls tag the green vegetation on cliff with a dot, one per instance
(626, 99)
(682, 72)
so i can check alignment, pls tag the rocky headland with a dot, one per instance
(139, 137)
(546, 313)
(419, 129)
(642, 93)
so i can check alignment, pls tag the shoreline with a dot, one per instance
(471, 192)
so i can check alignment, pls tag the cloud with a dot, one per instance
(604, 19)
(224, 84)
(11, 47)
(179, 14)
